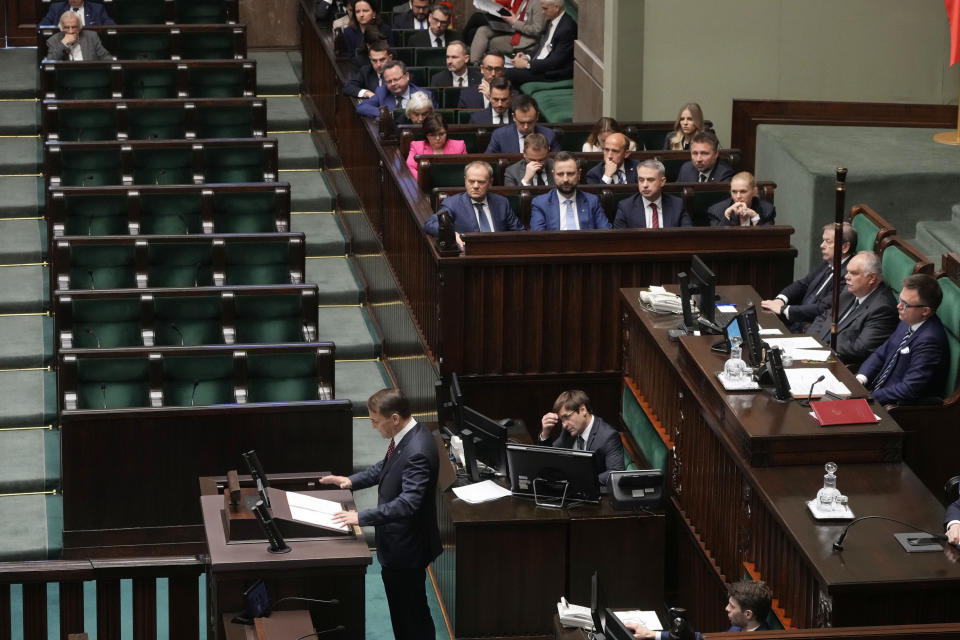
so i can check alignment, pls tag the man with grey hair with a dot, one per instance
(73, 43)
(651, 208)
(552, 57)
(868, 311)
(419, 106)
(476, 210)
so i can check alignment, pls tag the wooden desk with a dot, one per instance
(507, 562)
(331, 568)
(740, 469)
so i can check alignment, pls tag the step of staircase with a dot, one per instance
(297, 151)
(24, 289)
(31, 460)
(31, 527)
(276, 74)
(18, 73)
(22, 240)
(26, 341)
(287, 113)
(351, 330)
(19, 117)
(20, 155)
(28, 397)
(22, 196)
(336, 278)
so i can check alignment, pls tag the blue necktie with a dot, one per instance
(888, 369)
(481, 217)
(569, 216)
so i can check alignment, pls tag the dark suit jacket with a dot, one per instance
(953, 511)
(804, 301)
(863, 330)
(93, 13)
(363, 78)
(405, 519)
(445, 79)
(604, 439)
(353, 38)
(918, 373)
(505, 139)
(766, 210)
(665, 635)
(383, 97)
(424, 38)
(595, 175)
(545, 215)
(470, 98)
(631, 214)
(90, 47)
(513, 174)
(486, 116)
(465, 216)
(722, 172)
(404, 19)
(559, 62)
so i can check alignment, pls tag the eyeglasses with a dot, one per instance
(496, 70)
(903, 304)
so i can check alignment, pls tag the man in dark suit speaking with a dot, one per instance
(405, 519)
(912, 363)
(580, 429)
(651, 208)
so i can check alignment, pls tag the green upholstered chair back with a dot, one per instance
(703, 200)
(949, 313)
(866, 233)
(81, 84)
(235, 164)
(245, 212)
(197, 380)
(431, 57)
(265, 319)
(170, 214)
(225, 122)
(672, 166)
(258, 263)
(149, 83)
(180, 264)
(106, 323)
(90, 168)
(137, 12)
(199, 45)
(112, 383)
(896, 265)
(216, 83)
(87, 124)
(163, 166)
(95, 216)
(188, 320)
(651, 139)
(102, 267)
(141, 46)
(201, 12)
(157, 123)
(282, 377)
(449, 97)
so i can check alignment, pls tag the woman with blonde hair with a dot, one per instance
(689, 122)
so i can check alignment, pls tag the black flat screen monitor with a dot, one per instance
(774, 376)
(484, 440)
(746, 327)
(613, 627)
(597, 602)
(449, 401)
(553, 476)
(698, 286)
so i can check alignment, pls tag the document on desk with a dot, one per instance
(648, 619)
(481, 492)
(799, 342)
(770, 332)
(314, 510)
(801, 379)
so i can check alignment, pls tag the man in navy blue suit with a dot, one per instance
(394, 93)
(803, 300)
(952, 523)
(566, 208)
(743, 208)
(580, 429)
(912, 363)
(617, 167)
(748, 605)
(90, 13)
(415, 17)
(500, 95)
(405, 518)
(704, 164)
(651, 208)
(476, 210)
(478, 96)
(364, 81)
(509, 138)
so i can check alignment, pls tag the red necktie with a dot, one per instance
(654, 218)
(391, 448)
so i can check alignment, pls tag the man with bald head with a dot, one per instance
(617, 167)
(73, 43)
(743, 208)
(868, 311)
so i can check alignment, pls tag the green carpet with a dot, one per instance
(357, 381)
(27, 398)
(287, 114)
(25, 341)
(324, 235)
(378, 621)
(19, 118)
(297, 151)
(275, 74)
(351, 330)
(31, 460)
(23, 289)
(22, 241)
(308, 191)
(337, 280)
(24, 522)
(21, 196)
(18, 78)
(20, 155)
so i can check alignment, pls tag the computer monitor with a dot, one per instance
(773, 375)
(597, 602)
(749, 329)
(613, 627)
(449, 401)
(484, 440)
(698, 286)
(552, 476)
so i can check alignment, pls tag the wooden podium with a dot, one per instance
(324, 568)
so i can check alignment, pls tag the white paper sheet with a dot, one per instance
(801, 379)
(813, 355)
(727, 308)
(314, 510)
(481, 492)
(770, 332)
(799, 342)
(648, 619)
(488, 6)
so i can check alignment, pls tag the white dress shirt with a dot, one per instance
(410, 425)
(548, 43)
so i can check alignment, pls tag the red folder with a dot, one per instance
(833, 412)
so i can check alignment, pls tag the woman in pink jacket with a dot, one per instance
(435, 141)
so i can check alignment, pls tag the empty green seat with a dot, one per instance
(102, 266)
(180, 264)
(269, 318)
(106, 323)
(703, 200)
(156, 123)
(141, 46)
(225, 122)
(137, 12)
(245, 212)
(170, 213)
(216, 83)
(187, 320)
(651, 139)
(201, 11)
(258, 263)
(430, 57)
(81, 84)
(949, 312)
(197, 380)
(95, 216)
(234, 164)
(112, 383)
(163, 166)
(149, 83)
(87, 124)
(282, 377)
(867, 232)
(198, 45)
(90, 167)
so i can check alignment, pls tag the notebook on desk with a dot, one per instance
(830, 413)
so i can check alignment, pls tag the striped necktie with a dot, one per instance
(888, 368)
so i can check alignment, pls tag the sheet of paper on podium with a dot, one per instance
(314, 510)
(801, 380)
(649, 619)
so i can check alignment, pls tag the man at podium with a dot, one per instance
(405, 519)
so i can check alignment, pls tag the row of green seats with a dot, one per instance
(165, 42)
(165, 11)
(186, 317)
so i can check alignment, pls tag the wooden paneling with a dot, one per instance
(20, 22)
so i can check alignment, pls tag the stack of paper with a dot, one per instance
(314, 510)
(481, 492)
(801, 348)
(801, 381)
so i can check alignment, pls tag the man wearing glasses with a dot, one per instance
(580, 429)
(438, 35)
(912, 363)
(478, 97)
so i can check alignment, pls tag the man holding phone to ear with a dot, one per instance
(580, 429)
